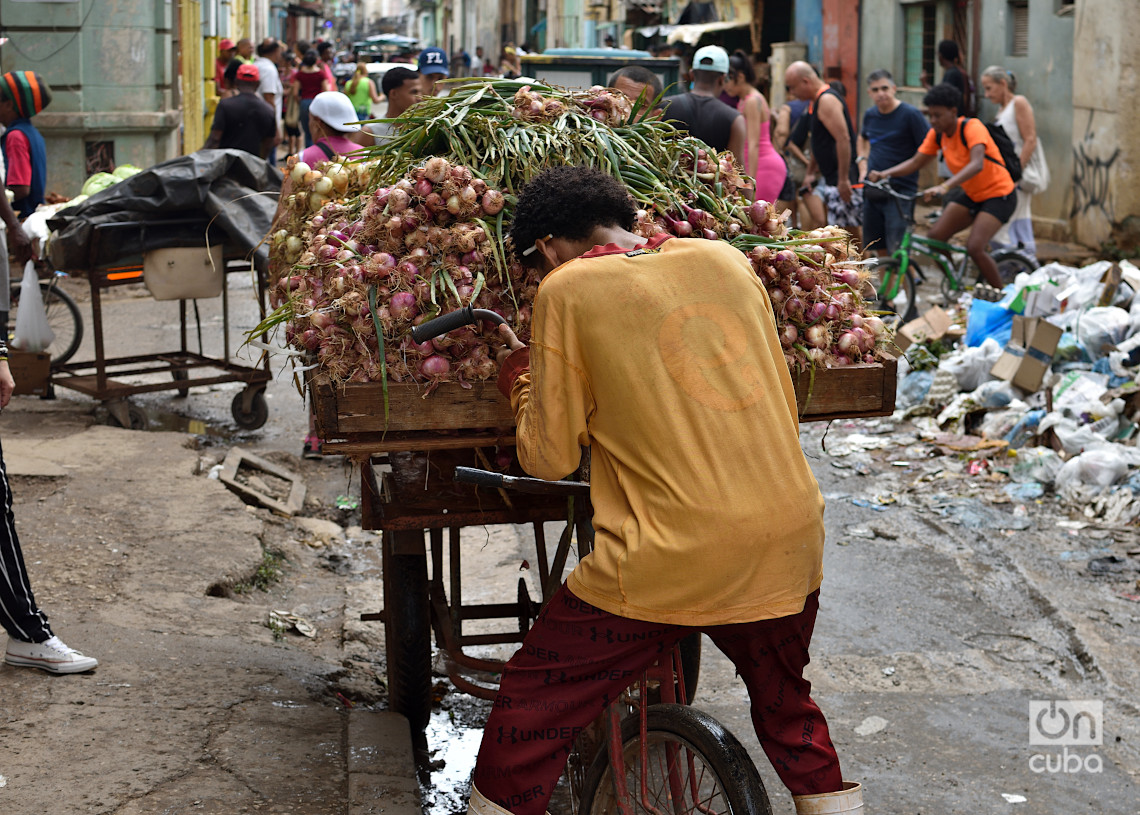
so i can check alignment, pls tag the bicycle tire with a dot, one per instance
(905, 303)
(1010, 263)
(726, 778)
(407, 633)
(63, 316)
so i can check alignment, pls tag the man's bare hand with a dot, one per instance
(513, 344)
(19, 244)
(7, 384)
(845, 190)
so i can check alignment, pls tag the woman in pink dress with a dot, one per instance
(761, 161)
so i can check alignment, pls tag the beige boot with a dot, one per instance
(847, 800)
(479, 805)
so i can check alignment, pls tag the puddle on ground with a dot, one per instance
(453, 738)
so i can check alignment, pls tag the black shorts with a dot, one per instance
(1001, 208)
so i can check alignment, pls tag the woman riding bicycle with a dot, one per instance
(687, 406)
(980, 192)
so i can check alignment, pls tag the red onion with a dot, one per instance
(473, 258)
(711, 235)
(493, 202)
(402, 306)
(817, 337)
(326, 253)
(407, 272)
(847, 276)
(840, 360)
(683, 229)
(398, 200)
(816, 312)
(435, 202)
(794, 306)
(832, 312)
(436, 169)
(848, 344)
(434, 366)
(321, 319)
(789, 335)
(424, 188)
(454, 205)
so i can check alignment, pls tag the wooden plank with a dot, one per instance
(354, 413)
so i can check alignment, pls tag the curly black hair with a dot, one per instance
(943, 96)
(568, 202)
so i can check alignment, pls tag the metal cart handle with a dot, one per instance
(536, 486)
(453, 320)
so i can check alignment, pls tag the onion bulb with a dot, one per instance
(300, 169)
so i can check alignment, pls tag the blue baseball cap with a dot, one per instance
(433, 61)
(711, 58)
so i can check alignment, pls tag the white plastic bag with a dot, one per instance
(1100, 327)
(1091, 473)
(1035, 464)
(971, 366)
(33, 334)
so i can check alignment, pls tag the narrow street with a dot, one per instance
(932, 641)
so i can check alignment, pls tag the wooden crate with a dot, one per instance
(351, 418)
(32, 372)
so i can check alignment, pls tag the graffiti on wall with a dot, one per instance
(1092, 188)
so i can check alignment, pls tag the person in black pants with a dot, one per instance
(31, 642)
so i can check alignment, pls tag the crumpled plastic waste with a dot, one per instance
(973, 515)
(1101, 329)
(1086, 476)
(286, 620)
(971, 366)
(1036, 464)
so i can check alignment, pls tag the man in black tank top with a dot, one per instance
(701, 112)
(832, 147)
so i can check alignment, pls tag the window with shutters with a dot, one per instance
(921, 43)
(1019, 28)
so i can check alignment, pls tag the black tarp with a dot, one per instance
(170, 204)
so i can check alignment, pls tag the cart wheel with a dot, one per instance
(407, 631)
(180, 375)
(259, 411)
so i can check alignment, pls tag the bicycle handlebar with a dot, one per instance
(453, 320)
(535, 486)
(885, 186)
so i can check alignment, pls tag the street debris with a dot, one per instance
(1013, 798)
(287, 621)
(261, 481)
(1012, 414)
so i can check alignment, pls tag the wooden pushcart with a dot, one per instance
(409, 496)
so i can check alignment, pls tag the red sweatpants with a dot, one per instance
(578, 658)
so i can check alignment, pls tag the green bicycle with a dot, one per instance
(897, 291)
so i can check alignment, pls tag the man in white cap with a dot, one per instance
(332, 119)
(701, 112)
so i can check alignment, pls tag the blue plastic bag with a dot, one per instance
(988, 320)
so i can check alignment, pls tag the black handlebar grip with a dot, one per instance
(441, 325)
(480, 478)
(487, 314)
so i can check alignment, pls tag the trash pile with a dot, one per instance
(1039, 391)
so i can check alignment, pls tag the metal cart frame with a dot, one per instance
(94, 378)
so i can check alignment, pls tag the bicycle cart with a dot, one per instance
(181, 367)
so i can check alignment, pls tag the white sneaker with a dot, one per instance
(52, 656)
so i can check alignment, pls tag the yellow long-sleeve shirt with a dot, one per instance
(666, 362)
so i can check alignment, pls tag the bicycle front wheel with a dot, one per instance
(903, 301)
(1011, 263)
(63, 318)
(694, 765)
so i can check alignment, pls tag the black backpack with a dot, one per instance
(1009, 158)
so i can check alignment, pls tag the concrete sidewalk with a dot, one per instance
(144, 562)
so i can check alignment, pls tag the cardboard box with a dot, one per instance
(1029, 354)
(32, 372)
(932, 325)
(1043, 302)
